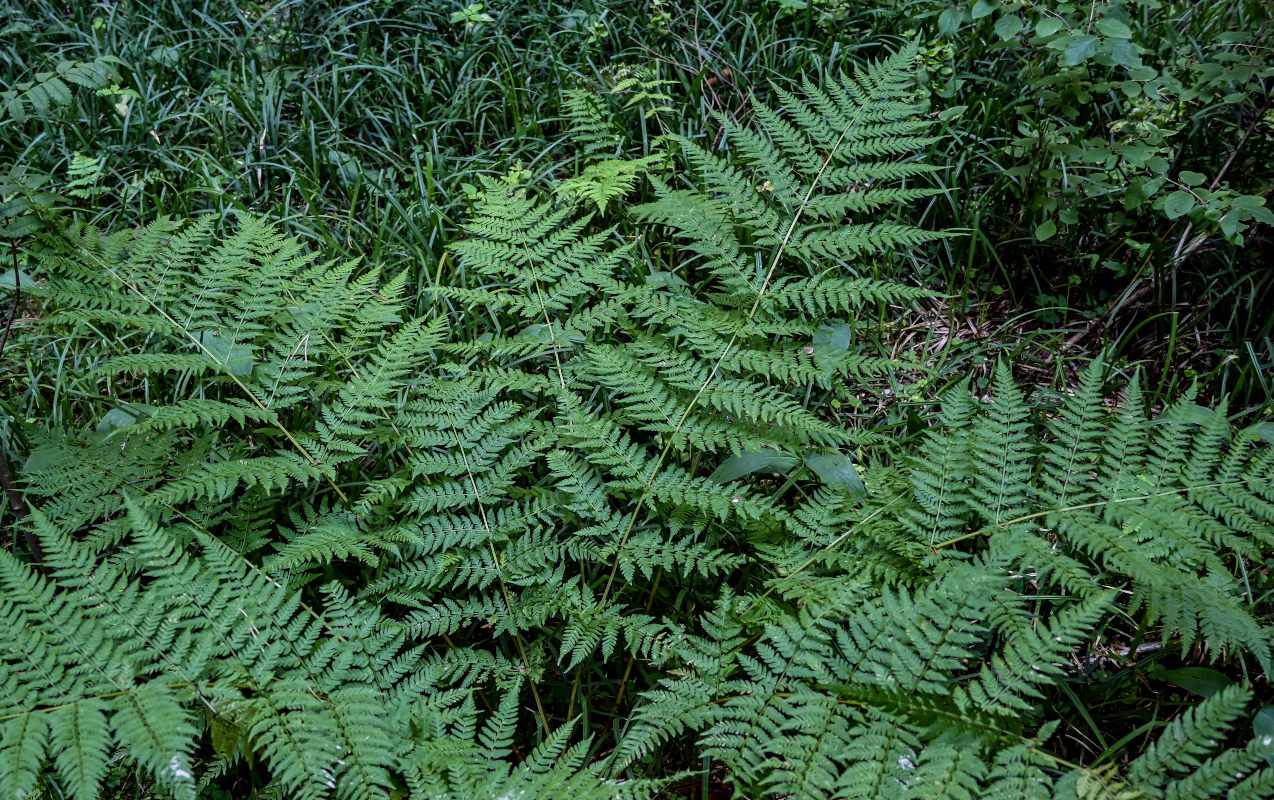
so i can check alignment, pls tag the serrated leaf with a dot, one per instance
(81, 742)
(159, 735)
(23, 741)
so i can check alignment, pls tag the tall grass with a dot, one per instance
(358, 125)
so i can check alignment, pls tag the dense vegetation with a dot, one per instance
(785, 399)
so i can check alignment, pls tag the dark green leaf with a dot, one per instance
(9, 280)
(746, 463)
(983, 8)
(1007, 26)
(836, 469)
(1048, 26)
(1178, 204)
(949, 21)
(1076, 49)
(1114, 28)
(122, 417)
(236, 358)
(1199, 680)
(1263, 727)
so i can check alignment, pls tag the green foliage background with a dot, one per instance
(792, 399)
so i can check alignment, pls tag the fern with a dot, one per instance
(51, 89)
(337, 546)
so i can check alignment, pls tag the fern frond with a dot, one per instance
(1187, 740)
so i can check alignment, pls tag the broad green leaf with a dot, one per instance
(833, 339)
(1007, 26)
(45, 457)
(836, 469)
(1192, 178)
(1178, 204)
(1263, 727)
(1136, 153)
(983, 8)
(1190, 413)
(1076, 49)
(1199, 680)
(949, 21)
(1048, 26)
(122, 417)
(1122, 52)
(9, 280)
(746, 463)
(18, 227)
(1229, 224)
(236, 358)
(1045, 230)
(1114, 28)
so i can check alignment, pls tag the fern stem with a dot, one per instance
(716, 367)
(628, 667)
(725, 352)
(548, 323)
(504, 588)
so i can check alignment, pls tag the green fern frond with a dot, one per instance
(52, 89)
